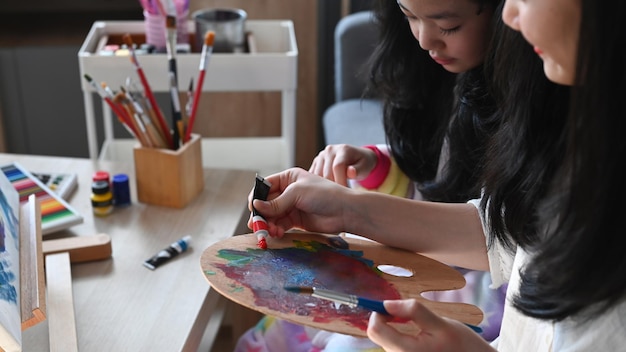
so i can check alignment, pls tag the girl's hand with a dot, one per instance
(300, 199)
(341, 162)
(437, 334)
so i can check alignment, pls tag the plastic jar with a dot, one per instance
(101, 198)
(101, 176)
(121, 190)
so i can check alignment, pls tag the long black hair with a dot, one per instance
(425, 105)
(524, 151)
(579, 262)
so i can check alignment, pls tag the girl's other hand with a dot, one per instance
(341, 162)
(437, 334)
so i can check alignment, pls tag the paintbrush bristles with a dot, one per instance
(299, 289)
(209, 38)
(207, 48)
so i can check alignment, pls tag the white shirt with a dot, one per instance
(521, 333)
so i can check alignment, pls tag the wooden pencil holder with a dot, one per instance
(170, 178)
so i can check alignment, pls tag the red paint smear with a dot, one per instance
(266, 272)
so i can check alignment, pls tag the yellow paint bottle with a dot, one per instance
(101, 198)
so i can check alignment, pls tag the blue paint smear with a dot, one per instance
(7, 290)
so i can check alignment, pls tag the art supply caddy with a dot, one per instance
(272, 68)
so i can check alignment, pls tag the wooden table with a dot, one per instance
(120, 305)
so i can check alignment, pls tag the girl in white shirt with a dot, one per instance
(567, 281)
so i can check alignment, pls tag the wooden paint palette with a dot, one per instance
(256, 278)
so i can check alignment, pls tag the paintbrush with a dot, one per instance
(343, 298)
(149, 114)
(118, 101)
(351, 300)
(164, 130)
(118, 110)
(207, 49)
(189, 98)
(170, 23)
(170, 45)
(151, 131)
(176, 114)
(107, 96)
(134, 121)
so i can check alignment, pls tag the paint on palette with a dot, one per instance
(56, 214)
(308, 263)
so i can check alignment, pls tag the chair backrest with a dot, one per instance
(355, 39)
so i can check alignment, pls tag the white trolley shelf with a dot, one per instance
(273, 67)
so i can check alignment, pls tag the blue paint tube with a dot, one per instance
(168, 253)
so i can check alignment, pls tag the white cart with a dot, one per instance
(273, 67)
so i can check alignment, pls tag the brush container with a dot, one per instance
(170, 178)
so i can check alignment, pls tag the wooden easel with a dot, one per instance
(59, 304)
(33, 294)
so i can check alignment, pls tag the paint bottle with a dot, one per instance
(101, 176)
(101, 198)
(121, 190)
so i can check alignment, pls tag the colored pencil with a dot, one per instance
(351, 300)
(207, 49)
(146, 86)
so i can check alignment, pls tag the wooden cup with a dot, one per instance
(170, 178)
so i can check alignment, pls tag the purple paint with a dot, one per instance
(310, 263)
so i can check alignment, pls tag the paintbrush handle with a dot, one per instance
(194, 105)
(379, 307)
(176, 115)
(155, 107)
(476, 329)
(173, 68)
(373, 305)
(122, 116)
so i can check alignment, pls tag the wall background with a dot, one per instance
(41, 105)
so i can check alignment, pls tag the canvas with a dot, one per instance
(10, 317)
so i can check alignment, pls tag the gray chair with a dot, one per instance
(353, 119)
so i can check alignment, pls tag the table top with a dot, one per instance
(119, 304)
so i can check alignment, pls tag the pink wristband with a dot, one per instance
(378, 175)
